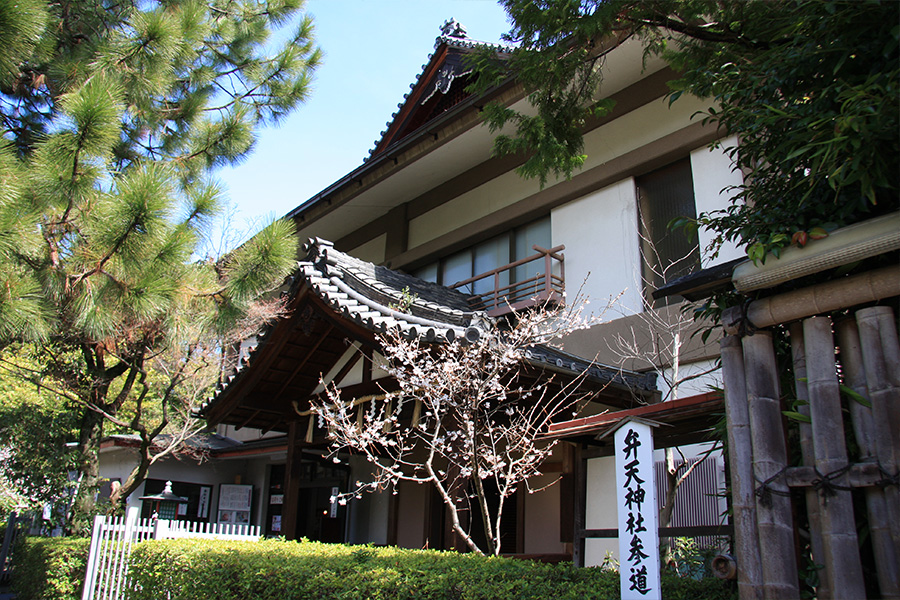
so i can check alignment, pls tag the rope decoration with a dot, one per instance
(825, 483)
(887, 479)
(764, 491)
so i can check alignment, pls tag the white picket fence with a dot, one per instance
(113, 538)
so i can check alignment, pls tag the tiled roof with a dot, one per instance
(205, 442)
(369, 295)
(453, 35)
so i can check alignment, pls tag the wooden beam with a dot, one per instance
(860, 475)
(292, 475)
(367, 388)
(303, 362)
(688, 531)
(268, 351)
(351, 362)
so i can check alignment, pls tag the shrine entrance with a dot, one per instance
(317, 517)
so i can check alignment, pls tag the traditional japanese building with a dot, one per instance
(433, 211)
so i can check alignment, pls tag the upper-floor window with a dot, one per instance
(666, 254)
(496, 252)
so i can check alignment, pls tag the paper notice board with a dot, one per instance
(235, 502)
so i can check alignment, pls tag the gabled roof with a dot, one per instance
(439, 86)
(336, 299)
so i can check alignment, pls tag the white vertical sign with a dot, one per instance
(334, 504)
(636, 501)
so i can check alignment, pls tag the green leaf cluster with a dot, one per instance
(35, 425)
(45, 568)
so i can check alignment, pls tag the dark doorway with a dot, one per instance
(317, 517)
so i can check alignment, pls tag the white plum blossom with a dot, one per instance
(464, 415)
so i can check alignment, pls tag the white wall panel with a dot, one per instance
(600, 234)
(713, 172)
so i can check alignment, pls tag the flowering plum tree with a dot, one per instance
(468, 417)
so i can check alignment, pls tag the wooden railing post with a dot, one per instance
(548, 274)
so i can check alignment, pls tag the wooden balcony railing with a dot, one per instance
(548, 285)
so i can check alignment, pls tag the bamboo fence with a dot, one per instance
(852, 367)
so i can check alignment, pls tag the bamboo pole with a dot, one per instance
(740, 461)
(879, 518)
(773, 506)
(807, 451)
(843, 568)
(819, 299)
(878, 341)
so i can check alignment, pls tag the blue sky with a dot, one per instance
(373, 52)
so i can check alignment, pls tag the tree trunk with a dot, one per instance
(665, 513)
(133, 481)
(91, 430)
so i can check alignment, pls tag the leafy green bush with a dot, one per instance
(189, 569)
(49, 568)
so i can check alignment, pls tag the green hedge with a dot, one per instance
(49, 568)
(278, 570)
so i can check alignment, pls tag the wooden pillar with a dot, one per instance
(773, 505)
(807, 451)
(843, 568)
(579, 515)
(292, 473)
(740, 462)
(887, 555)
(881, 357)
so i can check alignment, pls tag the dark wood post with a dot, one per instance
(773, 505)
(292, 473)
(579, 508)
(740, 461)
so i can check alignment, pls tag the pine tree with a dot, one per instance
(114, 115)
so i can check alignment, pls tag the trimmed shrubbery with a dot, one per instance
(49, 568)
(54, 568)
(278, 570)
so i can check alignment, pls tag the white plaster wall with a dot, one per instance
(368, 515)
(245, 434)
(602, 244)
(117, 464)
(600, 509)
(629, 132)
(541, 529)
(708, 376)
(713, 172)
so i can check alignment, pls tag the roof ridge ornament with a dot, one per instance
(452, 29)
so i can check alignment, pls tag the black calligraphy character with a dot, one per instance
(638, 580)
(635, 525)
(632, 442)
(634, 496)
(631, 470)
(637, 550)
